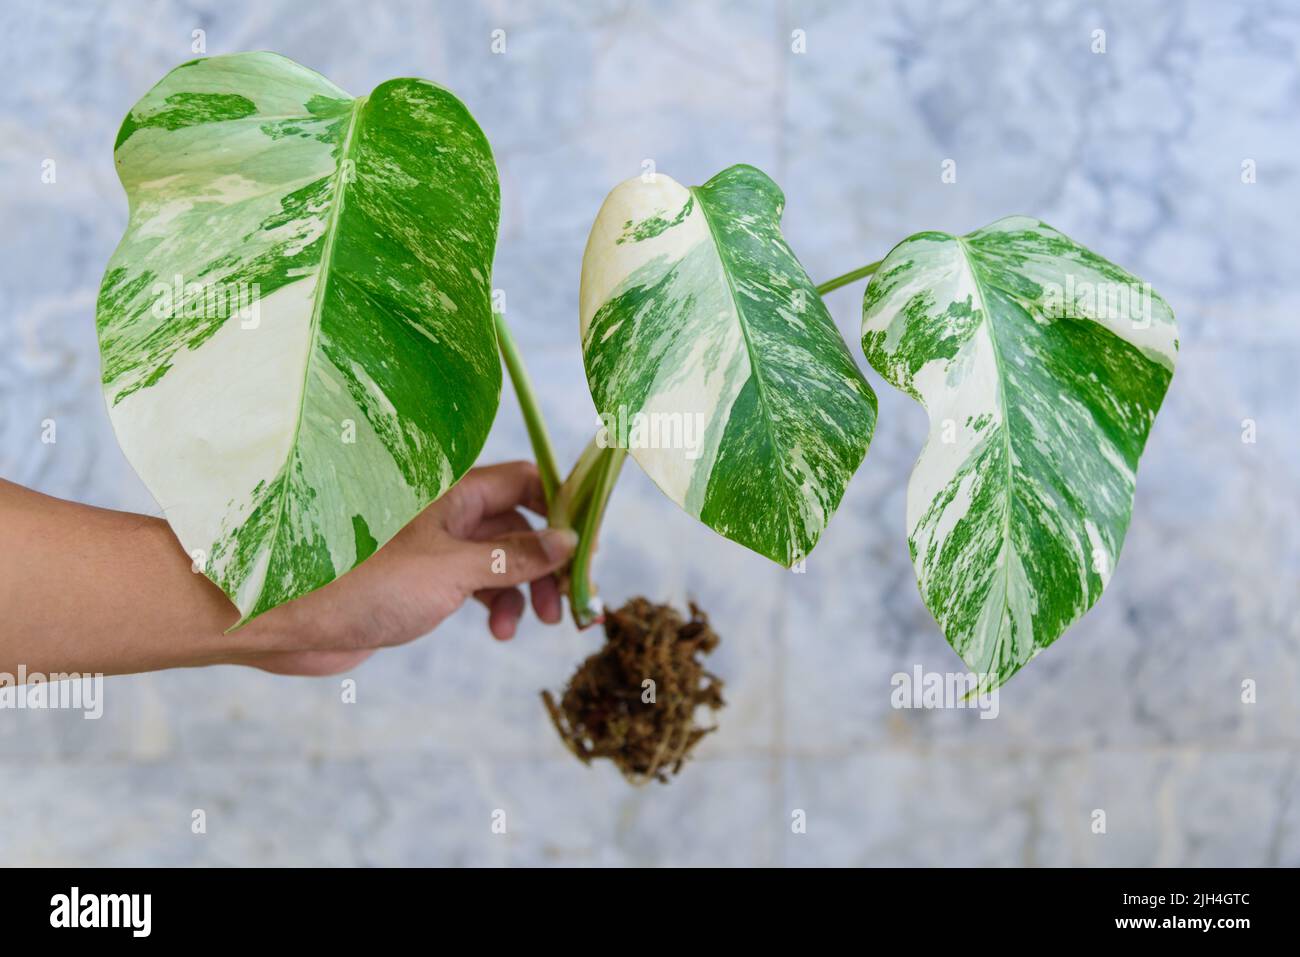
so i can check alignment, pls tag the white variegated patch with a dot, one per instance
(298, 353)
(694, 310)
(1041, 384)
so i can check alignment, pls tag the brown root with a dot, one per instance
(610, 708)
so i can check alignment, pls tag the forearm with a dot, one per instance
(85, 589)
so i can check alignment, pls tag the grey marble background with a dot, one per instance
(1136, 152)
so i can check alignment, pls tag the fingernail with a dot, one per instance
(558, 543)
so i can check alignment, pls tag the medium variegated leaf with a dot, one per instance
(1041, 366)
(296, 334)
(712, 358)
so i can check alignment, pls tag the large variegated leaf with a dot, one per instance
(296, 333)
(712, 358)
(1041, 366)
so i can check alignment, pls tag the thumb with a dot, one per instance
(515, 558)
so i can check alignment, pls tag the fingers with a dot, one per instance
(494, 489)
(514, 558)
(496, 526)
(504, 613)
(545, 591)
(546, 599)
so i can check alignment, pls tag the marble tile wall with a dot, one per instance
(1137, 710)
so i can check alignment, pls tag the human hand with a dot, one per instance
(474, 541)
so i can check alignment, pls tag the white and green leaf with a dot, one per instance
(1041, 367)
(711, 356)
(296, 331)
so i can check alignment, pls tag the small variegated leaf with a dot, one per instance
(711, 357)
(296, 331)
(1041, 367)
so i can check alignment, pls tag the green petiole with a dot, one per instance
(536, 425)
(577, 502)
(831, 285)
(586, 608)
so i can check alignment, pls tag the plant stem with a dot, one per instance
(537, 434)
(586, 607)
(579, 501)
(575, 490)
(848, 277)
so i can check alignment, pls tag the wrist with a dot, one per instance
(308, 623)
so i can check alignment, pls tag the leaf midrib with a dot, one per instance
(318, 302)
(1006, 432)
(753, 365)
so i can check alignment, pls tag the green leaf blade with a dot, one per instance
(1041, 366)
(694, 310)
(290, 437)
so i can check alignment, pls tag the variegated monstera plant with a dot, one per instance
(300, 354)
